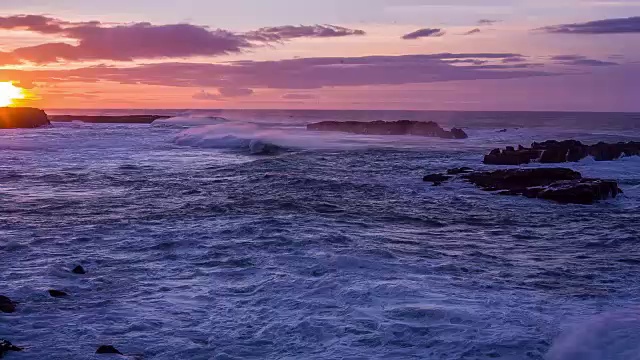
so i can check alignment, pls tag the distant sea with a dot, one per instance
(195, 248)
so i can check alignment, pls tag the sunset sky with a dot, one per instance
(330, 54)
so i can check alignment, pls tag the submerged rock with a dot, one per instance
(57, 293)
(6, 346)
(402, 127)
(107, 349)
(22, 118)
(460, 170)
(436, 179)
(557, 184)
(79, 270)
(7, 305)
(554, 152)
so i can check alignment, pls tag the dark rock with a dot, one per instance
(459, 133)
(22, 118)
(107, 349)
(125, 119)
(458, 171)
(503, 131)
(57, 293)
(510, 156)
(557, 184)
(436, 179)
(6, 346)
(584, 191)
(7, 305)
(79, 270)
(402, 127)
(553, 152)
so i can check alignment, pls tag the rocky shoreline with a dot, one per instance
(401, 127)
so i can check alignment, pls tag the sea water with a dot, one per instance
(332, 248)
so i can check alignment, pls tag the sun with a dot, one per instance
(9, 93)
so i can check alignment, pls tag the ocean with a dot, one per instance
(197, 248)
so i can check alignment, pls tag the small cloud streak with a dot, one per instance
(609, 26)
(422, 33)
(580, 60)
(472, 32)
(486, 22)
(295, 96)
(288, 32)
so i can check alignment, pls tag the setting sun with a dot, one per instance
(9, 93)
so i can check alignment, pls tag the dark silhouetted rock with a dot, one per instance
(124, 119)
(402, 127)
(107, 349)
(57, 293)
(554, 152)
(458, 171)
(6, 346)
(7, 305)
(557, 184)
(503, 131)
(79, 270)
(436, 179)
(458, 133)
(22, 118)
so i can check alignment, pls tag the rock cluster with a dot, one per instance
(551, 152)
(402, 127)
(556, 184)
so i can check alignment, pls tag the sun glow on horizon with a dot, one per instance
(9, 93)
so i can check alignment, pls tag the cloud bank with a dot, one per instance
(609, 26)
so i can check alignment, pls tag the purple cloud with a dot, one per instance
(204, 95)
(235, 92)
(513, 59)
(279, 33)
(608, 26)
(580, 60)
(474, 31)
(424, 33)
(296, 96)
(304, 73)
(35, 23)
(127, 42)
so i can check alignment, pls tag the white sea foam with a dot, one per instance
(189, 121)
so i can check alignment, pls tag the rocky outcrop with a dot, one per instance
(7, 305)
(557, 184)
(6, 346)
(124, 119)
(436, 179)
(554, 152)
(57, 293)
(79, 270)
(22, 118)
(402, 127)
(108, 349)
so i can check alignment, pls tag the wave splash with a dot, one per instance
(610, 336)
